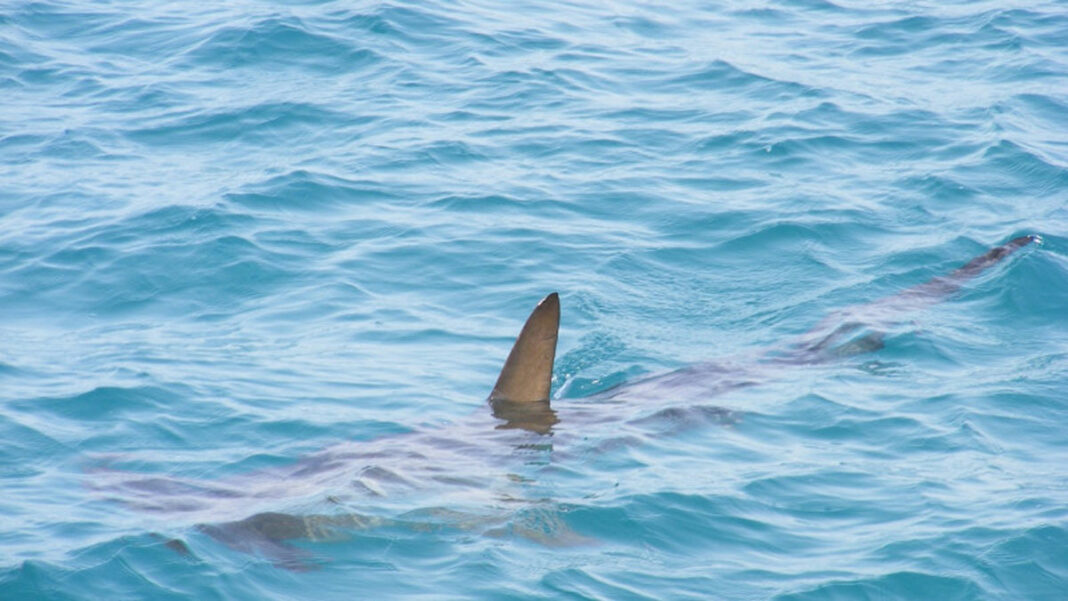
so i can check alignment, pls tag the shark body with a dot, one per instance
(463, 463)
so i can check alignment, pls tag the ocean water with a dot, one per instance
(239, 235)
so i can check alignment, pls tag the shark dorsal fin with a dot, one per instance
(528, 372)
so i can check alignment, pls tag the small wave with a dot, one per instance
(105, 403)
(268, 122)
(1014, 158)
(303, 190)
(280, 42)
(722, 76)
(895, 585)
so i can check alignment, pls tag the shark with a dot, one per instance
(361, 485)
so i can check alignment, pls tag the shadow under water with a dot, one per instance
(492, 459)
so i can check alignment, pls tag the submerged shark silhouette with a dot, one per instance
(521, 418)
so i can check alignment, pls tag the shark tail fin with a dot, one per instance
(941, 287)
(528, 371)
(830, 340)
(989, 258)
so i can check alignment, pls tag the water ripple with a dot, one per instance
(260, 264)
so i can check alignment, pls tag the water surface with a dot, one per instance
(234, 236)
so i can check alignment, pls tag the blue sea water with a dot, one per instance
(233, 235)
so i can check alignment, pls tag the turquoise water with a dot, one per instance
(233, 237)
